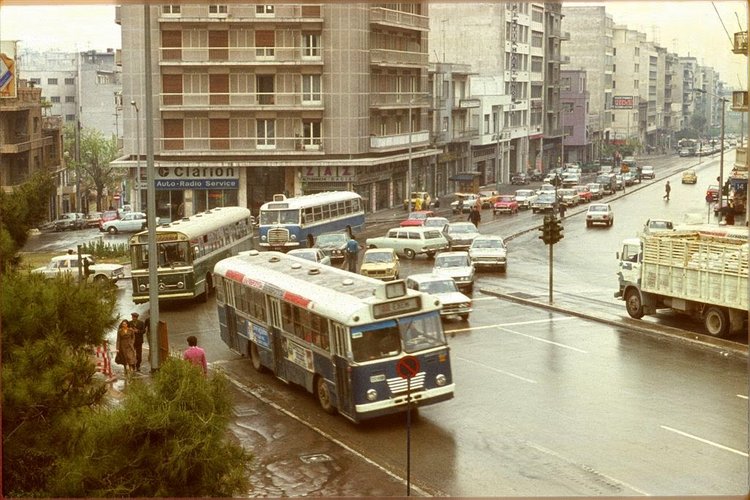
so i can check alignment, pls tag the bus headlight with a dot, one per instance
(180, 285)
(372, 394)
(263, 238)
(293, 237)
(142, 287)
(440, 380)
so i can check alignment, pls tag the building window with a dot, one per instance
(311, 88)
(70, 118)
(537, 15)
(70, 81)
(55, 98)
(266, 133)
(637, 52)
(51, 81)
(311, 132)
(264, 85)
(264, 10)
(173, 10)
(445, 124)
(487, 123)
(635, 84)
(536, 64)
(565, 83)
(217, 10)
(103, 78)
(36, 81)
(264, 44)
(310, 44)
(636, 68)
(70, 98)
(537, 39)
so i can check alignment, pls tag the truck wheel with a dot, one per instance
(633, 304)
(716, 321)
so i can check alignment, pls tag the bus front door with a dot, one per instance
(343, 380)
(278, 342)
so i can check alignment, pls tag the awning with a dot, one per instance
(464, 176)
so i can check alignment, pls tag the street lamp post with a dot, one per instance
(723, 101)
(408, 177)
(138, 156)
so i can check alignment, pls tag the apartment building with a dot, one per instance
(574, 96)
(85, 84)
(251, 100)
(31, 142)
(626, 86)
(591, 49)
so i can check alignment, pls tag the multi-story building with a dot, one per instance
(550, 153)
(31, 142)
(626, 86)
(85, 84)
(251, 100)
(590, 48)
(574, 96)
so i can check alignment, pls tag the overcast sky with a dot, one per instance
(686, 27)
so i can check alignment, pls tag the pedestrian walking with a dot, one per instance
(561, 209)
(475, 216)
(125, 346)
(195, 355)
(139, 330)
(352, 252)
(667, 189)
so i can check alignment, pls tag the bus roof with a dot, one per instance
(284, 203)
(199, 224)
(332, 292)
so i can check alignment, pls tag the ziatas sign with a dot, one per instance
(338, 174)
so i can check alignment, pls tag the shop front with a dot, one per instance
(183, 191)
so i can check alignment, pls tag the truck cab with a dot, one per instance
(629, 264)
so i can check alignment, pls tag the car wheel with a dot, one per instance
(431, 255)
(112, 230)
(611, 222)
(324, 395)
(409, 253)
(588, 223)
(369, 246)
(100, 280)
(633, 304)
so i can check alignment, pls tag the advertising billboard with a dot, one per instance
(622, 102)
(8, 69)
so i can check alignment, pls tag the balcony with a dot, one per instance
(398, 58)
(242, 146)
(740, 43)
(243, 13)
(397, 100)
(397, 19)
(278, 101)
(386, 143)
(233, 56)
(739, 100)
(466, 103)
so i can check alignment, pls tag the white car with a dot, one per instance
(131, 222)
(68, 264)
(411, 241)
(600, 213)
(525, 197)
(657, 226)
(456, 265)
(444, 288)
(469, 200)
(569, 197)
(647, 172)
(489, 251)
(312, 254)
(460, 235)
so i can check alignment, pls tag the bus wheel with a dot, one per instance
(207, 291)
(324, 395)
(255, 358)
(633, 304)
(716, 321)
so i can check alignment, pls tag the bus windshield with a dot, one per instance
(279, 217)
(408, 334)
(171, 254)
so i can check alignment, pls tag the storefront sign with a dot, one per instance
(197, 183)
(622, 102)
(343, 173)
(197, 173)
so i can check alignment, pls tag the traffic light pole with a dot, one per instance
(551, 260)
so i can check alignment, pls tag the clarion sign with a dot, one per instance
(197, 173)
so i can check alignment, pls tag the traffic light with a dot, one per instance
(546, 229)
(556, 231)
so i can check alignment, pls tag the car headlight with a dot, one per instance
(372, 394)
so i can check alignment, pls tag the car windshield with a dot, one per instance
(378, 257)
(304, 254)
(451, 261)
(507, 199)
(482, 243)
(462, 228)
(525, 192)
(279, 217)
(332, 239)
(438, 286)
(435, 222)
(546, 198)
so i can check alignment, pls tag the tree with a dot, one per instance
(96, 154)
(169, 438)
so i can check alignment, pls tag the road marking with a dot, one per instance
(500, 325)
(496, 370)
(540, 339)
(706, 441)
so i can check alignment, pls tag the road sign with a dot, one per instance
(407, 367)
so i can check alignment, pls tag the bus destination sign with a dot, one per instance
(396, 307)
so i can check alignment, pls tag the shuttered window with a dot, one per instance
(218, 45)
(171, 41)
(173, 134)
(171, 87)
(219, 88)
(264, 43)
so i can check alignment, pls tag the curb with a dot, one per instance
(723, 346)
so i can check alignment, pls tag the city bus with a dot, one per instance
(287, 223)
(338, 334)
(188, 249)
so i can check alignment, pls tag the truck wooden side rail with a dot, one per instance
(690, 272)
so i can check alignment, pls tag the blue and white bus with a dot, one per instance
(287, 223)
(188, 249)
(340, 335)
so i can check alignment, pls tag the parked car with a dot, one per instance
(506, 203)
(444, 288)
(597, 193)
(312, 254)
(458, 266)
(131, 222)
(600, 213)
(647, 172)
(422, 195)
(712, 193)
(417, 218)
(584, 193)
(106, 216)
(69, 220)
(380, 263)
(569, 197)
(68, 265)
(488, 198)
(657, 226)
(525, 197)
(466, 201)
(689, 177)
(519, 179)
(489, 251)
(545, 202)
(411, 241)
(460, 234)
(333, 245)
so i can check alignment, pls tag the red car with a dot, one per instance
(505, 203)
(417, 218)
(106, 216)
(712, 193)
(584, 194)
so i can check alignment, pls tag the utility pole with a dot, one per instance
(408, 178)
